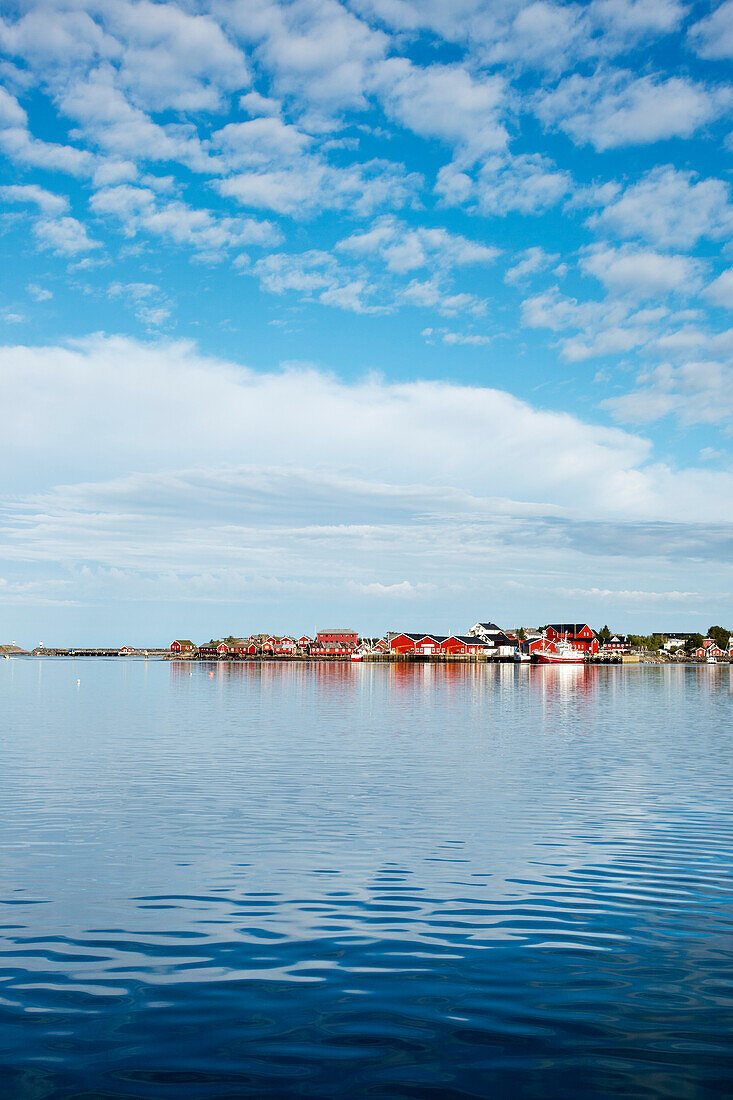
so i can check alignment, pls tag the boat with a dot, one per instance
(357, 656)
(519, 656)
(562, 653)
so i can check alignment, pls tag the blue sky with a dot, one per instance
(388, 313)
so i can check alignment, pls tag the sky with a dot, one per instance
(384, 314)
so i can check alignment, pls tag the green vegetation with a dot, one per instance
(651, 642)
(604, 635)
(719, 635)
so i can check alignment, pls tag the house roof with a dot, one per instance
(500, 639)
(570, 628)
(182, 641)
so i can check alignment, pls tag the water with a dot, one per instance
(365, 880)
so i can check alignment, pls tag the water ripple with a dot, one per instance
(458, 882)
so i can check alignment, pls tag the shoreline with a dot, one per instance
(402, 659)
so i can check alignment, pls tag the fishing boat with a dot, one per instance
(562, 653)
(356, 656)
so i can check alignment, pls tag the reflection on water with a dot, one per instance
(366, 880)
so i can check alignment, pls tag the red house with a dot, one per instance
(460, 645)
(304, 641)
(579, 635)
(182, 645)
(619, 643)
(281, 647)
(341, 637)
(218, 649)
(405, 643)
(126, 651)
(709, 648)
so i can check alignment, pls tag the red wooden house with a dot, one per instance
(279, 647)
(462, 645)
(339, 637)
(709, 648)
(182, 645)
(579, 635)
(619, 643)
(429, 644)
(218, 649)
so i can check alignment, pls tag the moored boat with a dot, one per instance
(561, 653)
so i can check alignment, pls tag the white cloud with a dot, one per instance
(696, 392)
(316, 276)
(539, 34)
(460, 339)
(529, 262)
(595, 513)
(405, 249)
(164, 57)
(261, 142)
(712, 37)
(47, 201)
(39, 293)
(317, 52)
(20, 145)
(309, 185)
(306, 272)
(528, 183)
(669, 207)
(173, 59)
(350, 296)
(120, 128)
(643, 272)
(431, 294)
(139, 209)
(445, 102)
(86, 400)
(614, 108)
(720, 291)
(608, 341)
(255, 104)
(11, 112)
(65, 236)
(150, 306)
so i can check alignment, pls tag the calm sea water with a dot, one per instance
(370, 881)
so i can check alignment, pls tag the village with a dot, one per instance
(555, 643)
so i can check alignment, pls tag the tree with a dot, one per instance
(604, 635)
(719, 635)
(693, 642)
(521, 635)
